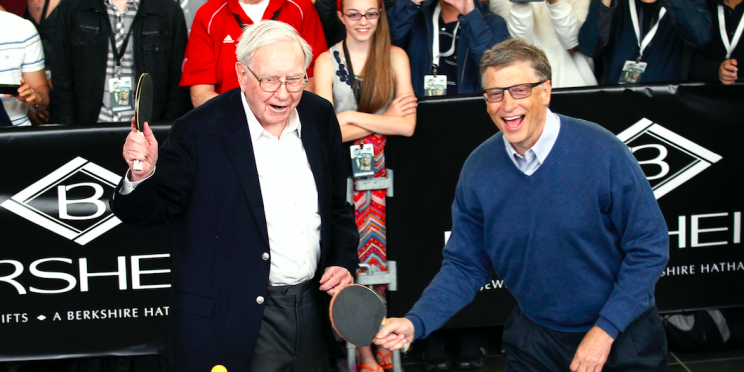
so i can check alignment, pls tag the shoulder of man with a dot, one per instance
(591, 134)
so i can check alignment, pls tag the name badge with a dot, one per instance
(120, 94)
(632, 72)
(363, 160)
(435, 85)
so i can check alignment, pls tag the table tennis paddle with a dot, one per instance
(358, 314)
(142, 107)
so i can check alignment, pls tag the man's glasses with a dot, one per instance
(518, 91)
(357, 16)
(272, 85)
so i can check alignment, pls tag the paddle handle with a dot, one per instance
(405, 347)
(138, 163)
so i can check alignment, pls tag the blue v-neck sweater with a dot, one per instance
(579, 243)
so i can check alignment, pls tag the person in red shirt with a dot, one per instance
(209, 63)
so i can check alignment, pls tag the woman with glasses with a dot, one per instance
(369, 83)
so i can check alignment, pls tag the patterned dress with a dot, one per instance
(369, 205)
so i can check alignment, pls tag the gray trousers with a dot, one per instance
(292, 336)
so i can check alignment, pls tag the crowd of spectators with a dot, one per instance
(92, 51)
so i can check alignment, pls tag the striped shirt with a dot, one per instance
(20, 51)
(120, 24)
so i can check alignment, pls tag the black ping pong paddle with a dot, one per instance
(142, 107)
(358, 314)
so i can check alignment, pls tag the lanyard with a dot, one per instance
(242, 25)
(356, 86)
(724, 36)
(435, 45)
(119, 54)
(650, 35)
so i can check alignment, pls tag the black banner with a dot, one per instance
(688, 140)
(76, 282)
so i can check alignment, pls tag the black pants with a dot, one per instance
(291, 336)
(532, 347)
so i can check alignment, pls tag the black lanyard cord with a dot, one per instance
(356, 86)
(119, 54)
(242, 25)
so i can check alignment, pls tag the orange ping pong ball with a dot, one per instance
(219, 368)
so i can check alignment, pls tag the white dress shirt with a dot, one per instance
(290, 199)
(535, 156)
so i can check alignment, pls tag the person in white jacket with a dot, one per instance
(553, 25)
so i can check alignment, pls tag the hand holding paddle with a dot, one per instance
(396, 334)
(140, 146)
(357, 314)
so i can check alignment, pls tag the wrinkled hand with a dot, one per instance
(403, 105)
(396, 333)
(727, 73)
(334, 278)
(593, 351)
(26, 94)
(141, 146)
(462, 6)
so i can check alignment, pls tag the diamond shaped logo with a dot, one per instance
(41, 317)
(667, 159)
(77, 187)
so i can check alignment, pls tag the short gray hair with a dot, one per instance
(515, 50)
(263, 33)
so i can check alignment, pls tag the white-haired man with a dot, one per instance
(256, 200)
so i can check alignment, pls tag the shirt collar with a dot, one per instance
(257, 130)
(131, 3)
(545, 143)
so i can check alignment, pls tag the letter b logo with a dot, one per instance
(94, 200)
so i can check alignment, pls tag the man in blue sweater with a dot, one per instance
(644, 41)
(560, 209)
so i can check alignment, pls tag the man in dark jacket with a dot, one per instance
(103, 47)
(464, 30)
(717, 61)
(644, 41)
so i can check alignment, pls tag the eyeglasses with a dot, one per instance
(518, 91)
(357, 16)
(272, 85)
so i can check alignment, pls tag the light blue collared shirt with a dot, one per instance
(535, 156)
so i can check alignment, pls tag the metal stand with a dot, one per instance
(370, 275)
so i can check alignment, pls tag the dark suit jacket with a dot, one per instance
(206, 186)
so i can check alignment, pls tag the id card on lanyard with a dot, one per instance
(633, 70)
(120, 89)
(436, 85)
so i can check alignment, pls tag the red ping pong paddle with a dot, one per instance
(358, 314)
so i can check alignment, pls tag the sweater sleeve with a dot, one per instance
(481, 31)
(691, 19)
(465, 268)
(595, 33)
(644, 240)
(522, 22)
(401, 18)
(565, 23)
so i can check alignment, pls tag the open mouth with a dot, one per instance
(513, 122)
(278, 108)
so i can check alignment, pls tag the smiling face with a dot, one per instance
(280, 60)
(521, 120)
(364, 28)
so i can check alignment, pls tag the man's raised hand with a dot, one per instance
(140, 146)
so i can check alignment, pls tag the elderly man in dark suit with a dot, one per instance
(260, 223)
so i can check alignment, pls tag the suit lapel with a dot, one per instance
(240, 149)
